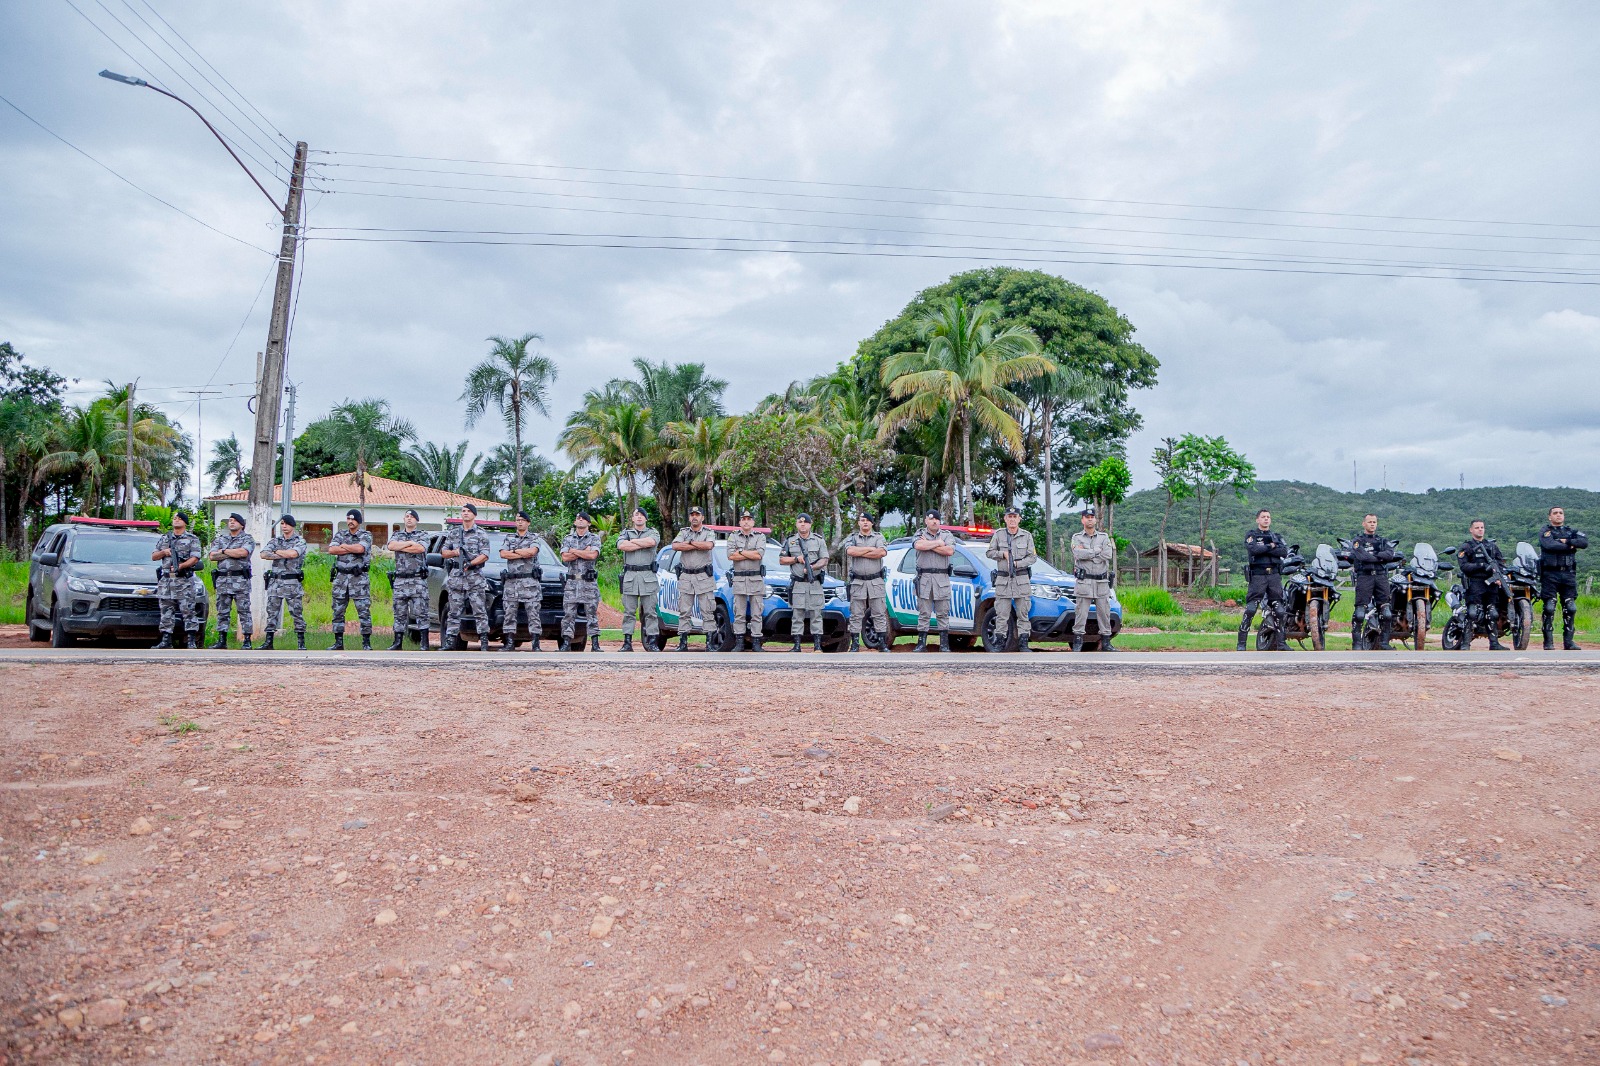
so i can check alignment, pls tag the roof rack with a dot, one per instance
(113, 523)
(485, 523)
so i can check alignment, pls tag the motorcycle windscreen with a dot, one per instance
(1527, 558)
(1425, 561)
(1327, 564)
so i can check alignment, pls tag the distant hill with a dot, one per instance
(1309, 514)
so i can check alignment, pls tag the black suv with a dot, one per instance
(494, 571)
(93, 577)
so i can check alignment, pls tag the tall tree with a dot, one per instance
(85, 448)
(617, 436)
(442, 467)
(514, 381)
(1207, 467)
(499, 472)
(227, 464)
(1105, 484)
(699, 448)
(680, 392)
(361, 433)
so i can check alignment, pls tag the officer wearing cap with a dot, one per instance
(1013, 553)
(1093, 556)
(522, 595)
(285, 581)
(466, 549)
(580, 550)
(934, 547)
(806, 555)
(231, 580)
(351, 549)
(696, 585)
(863, 559)
(409, 580)
(748, 578)
(178, 586)
(640, 585)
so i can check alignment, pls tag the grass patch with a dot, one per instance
(178, 725)
(1148, 600)
(13, 591)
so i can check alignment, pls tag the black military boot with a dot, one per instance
(300, 639)
(683, 642)
(796, 644)
(270, 641)
(422, 638)
(594, 641)
(757, 644)
(1022, 644)
(246, 645)
(816, 643)
(1550, 632)
(338, 640)
(166, 641)
(1385, 631)
(191, 639)
(1244, 632)
(1077, 642)
(1569, 628)
(506, 643)
(535, 634)
(1105, 644)
(1494, 631)
(944, 640)
(649, 643)
(922, 640)
(221, 643)
(627, 642)
(399, 641)
(855, 642)
(483, 643)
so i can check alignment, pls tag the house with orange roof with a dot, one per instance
(320, 504)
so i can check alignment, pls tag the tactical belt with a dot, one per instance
(1084, 575)
(284, 575)
(510, 575)
(585, 575)
(746, 573)
(233, 573)
(1560, 562)
(1026, 571)
(875, 575)
(805, 580)
(1369, 571)
(694, 569)
(352, 569)
(639, 566)
(945, 570)
(1262, 571)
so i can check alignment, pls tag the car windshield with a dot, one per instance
(115, 549)
(1040, 568)
(547, 555)
(769, 557)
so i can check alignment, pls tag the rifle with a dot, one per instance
(811, 574)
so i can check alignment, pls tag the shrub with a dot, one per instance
(1146, 599)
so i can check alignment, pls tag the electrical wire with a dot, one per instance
(243, 322)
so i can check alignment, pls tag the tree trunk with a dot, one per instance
(516, 428)
(1049, 515)
(966, 468)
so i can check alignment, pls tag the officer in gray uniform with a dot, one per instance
(1013, 553)
(351, 549)
(231, 552)
(409, 580)
(178, 584)
(806, 555)
(1093, 556)
(580, 550)
(523, 593)
(466, 549)
(696, 585)
(285, 581)
(640, 585)
(749, 582)
(863, 561)
(934, 547)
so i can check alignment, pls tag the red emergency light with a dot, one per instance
(113, 523)
(736, 529)
(971, 531)
(484, 523)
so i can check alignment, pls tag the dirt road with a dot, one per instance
(337, 864)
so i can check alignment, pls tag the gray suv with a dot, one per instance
(553, 575)
(93, 577)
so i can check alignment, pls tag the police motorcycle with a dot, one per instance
(1414, 593)
(1373, 629)
(1515, 589)
(1309, 594)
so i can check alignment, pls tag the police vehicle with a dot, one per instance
(775, 611)
(972, 594)
(554, 578)
(93, 577)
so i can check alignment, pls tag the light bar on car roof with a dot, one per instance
(971, 531)
(486, 524)
(112, 523)
(735, 529)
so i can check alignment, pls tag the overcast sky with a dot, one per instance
(1470, 111)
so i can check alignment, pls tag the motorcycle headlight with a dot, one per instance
(82, 584)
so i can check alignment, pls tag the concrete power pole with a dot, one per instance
(288, 451)
(269, 389)
(127, 466)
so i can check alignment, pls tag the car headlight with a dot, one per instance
(82, 584)
(1045, 592)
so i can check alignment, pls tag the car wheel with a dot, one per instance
(721, 638)
(59, 637)
(870, 637)
(992, 640)
(36, 633)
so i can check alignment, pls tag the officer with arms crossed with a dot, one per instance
(806, 556)
(749, 580)
(231, 552)
(696, 586)
(1370, 555)
(1558, 577)
(1267, 552)
(523, 592)
(640, 585)
(1482, 567)
(934, 547)
(409, 580)
(580, 550)
(466, 550)
(863, 559)
(286, 582)
(351, 548)
(177, 585)
(1093, 556)
(1013, 553)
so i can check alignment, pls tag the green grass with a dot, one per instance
(1147, 600)
(13, 591)
(178, 725)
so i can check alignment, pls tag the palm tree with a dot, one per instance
(227, 464)
(966, 365)
(85, 448)
(617, 437)
(444, 468)
(674, 393)
(358, 433)
(499, 470)
(698, 448)
(515, 382)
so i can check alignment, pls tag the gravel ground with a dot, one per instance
(344, 865)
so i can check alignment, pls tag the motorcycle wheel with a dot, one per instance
(1522, 625)
(1419, 624)
(1316, 625)
(1450, 639)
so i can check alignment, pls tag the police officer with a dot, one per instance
(1370, 555)
(640, 585)
(1267, 551)
(409, 582)
(1558, 577)
(1482, 568)
(580, 550)
(178, 586)
(285, 582)
(934, 547)
(748, 578)
(806, 556)
(523, 591)
(696, 585)
(863, 559)
(351, 548)
(231, 579)
(1093, 556)
(1013, 552)
(466, 549)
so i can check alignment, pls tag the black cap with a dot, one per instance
(696, 510)
(934, 514)
(802, 517)
(525, 516)
(1090, 511)
(582, 516)
(470, 507)
(1012, 510)
(237, 517)
(641, 510)
(745, 514)
(353, 513)
(288, 519)
(183, 515)
(412, 511)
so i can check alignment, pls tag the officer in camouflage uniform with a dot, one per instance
(409, 580)
(231, 579)
(351, 549)
(1093, 556)
(466, 549)
(748, 579)
(863, 559)
(1013, 553)
(640, 585)
(178, 586)
(285, 581)
(523, 592)
(806, 555)
(696, 584)
(580, 550)
(934, 547)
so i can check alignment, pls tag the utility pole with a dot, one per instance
(269, 388)
(288, 451)
(127, 466)
(200, 441)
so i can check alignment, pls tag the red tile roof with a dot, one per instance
(381, 491)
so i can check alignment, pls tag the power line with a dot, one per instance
(130, 182)
(244, 321)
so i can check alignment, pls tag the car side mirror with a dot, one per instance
(49, 559)
(434, 559)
